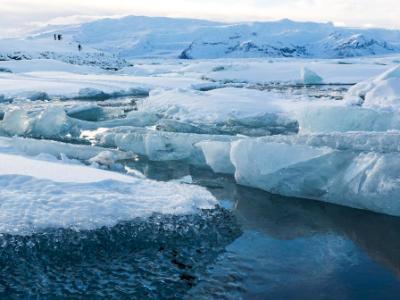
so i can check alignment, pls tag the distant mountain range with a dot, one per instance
(134, 37)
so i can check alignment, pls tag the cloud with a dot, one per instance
(19, 16)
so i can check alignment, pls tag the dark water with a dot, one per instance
(255, 246)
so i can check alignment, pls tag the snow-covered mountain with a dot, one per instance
(292, 39)
(108, 42)
(134, 36)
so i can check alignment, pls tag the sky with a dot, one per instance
(20, 16)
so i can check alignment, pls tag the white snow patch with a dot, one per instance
(38, 195)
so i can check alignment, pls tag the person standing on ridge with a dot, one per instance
(79, 47)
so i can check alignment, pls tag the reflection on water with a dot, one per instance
(295, 248)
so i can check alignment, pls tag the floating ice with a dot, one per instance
(134, 119)
(217, 156)
(37, 195)
(357, 169)
(92, 94)
(49, 123)
(309, 77)
(381, 92)
(59, 150)
(156, 145)
(222, 111)
(327, 118)
(16, 122)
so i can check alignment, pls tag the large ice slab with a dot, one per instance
(357, 169)
(38, 195)
(227, 111)
(381, 92)
(371, 105)
(331, 118)
(52, 150)
(53, 122)
(156, 145)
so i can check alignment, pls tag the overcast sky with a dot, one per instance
(19, 16)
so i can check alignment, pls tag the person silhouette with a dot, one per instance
(79, 47)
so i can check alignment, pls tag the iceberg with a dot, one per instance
(309, 77)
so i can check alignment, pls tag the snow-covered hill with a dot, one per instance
(65, 50)
(108, 43)
(133, 37)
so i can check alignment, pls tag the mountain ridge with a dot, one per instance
(161, 37)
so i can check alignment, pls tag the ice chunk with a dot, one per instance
(134, 119)
(223, 111)
(341, 118)
(16, 122)
(59, 150)
(49, 123)
(97, 94)
(52, 122)
(385, 94)
(91, 113)
(53, 195)
(309, 77)
(207, 86)
(310, 167)
(176, 126)
(156, 145)
(217, 155)
(381, 92)
(268, 158)
(36, 96)
(92, 94)
(108, 158)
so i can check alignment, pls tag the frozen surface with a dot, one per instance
(54, 195)
(289, 71)
(60, 84)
